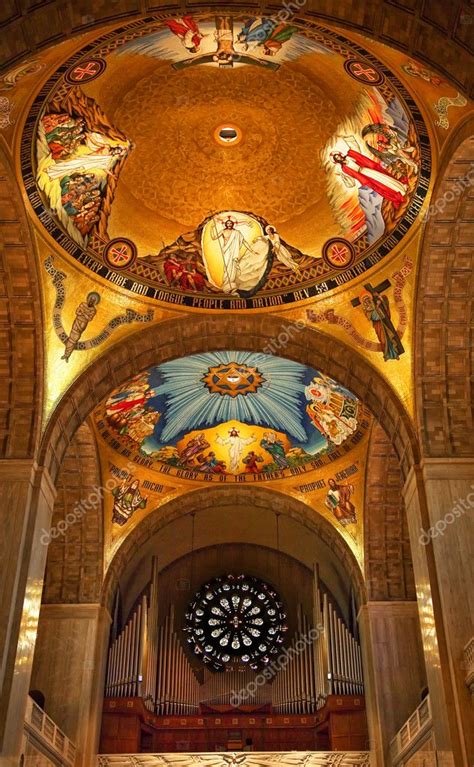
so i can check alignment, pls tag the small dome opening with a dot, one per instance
(228, 134)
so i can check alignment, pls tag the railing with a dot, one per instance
(238, 759)
(468, 654)
(412, 732)
(41, 729)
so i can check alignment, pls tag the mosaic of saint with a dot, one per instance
(226, 161)
(232, 415)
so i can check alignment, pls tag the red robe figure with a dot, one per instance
(251, 461)
(129, 401)
(371, 173)
(188, 32)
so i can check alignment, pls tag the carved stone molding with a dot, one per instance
(290, 759)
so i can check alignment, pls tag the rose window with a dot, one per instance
(236, 619)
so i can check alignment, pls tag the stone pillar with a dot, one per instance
(69, 669)
(439, 498)
(27, 495)
(394, 669)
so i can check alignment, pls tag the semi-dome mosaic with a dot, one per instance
(221, 161)
(232, 415)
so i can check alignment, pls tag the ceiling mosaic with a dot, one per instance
(213, 162)
(225, 162)
(232, 416)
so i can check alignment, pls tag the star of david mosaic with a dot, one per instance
(233, 379)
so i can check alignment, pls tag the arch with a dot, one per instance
(21, 355)
(199, 500)
(260, 333)
(429, 31)
(444, 351)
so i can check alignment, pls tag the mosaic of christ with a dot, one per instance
(227, 161)
(232, 413)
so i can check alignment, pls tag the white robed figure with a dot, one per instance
(236, 445)
(281, 251)
(231, 241)
(235, 261)
(95, 153)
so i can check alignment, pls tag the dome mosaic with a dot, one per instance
(222, 161)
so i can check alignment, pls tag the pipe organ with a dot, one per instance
(133, 655)
(177, 684)
(344, 656)
(227, 688)
(148, 660)
(324, 659)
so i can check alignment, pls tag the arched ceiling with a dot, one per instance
(231, 415)
(140, 208)
(136, 487)
(222, 516)
(158, 238)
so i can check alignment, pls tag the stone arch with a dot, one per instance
(430, 31)
(255, 497)
(444, 351)
(186, 335)
(21, 355)
(75, 553)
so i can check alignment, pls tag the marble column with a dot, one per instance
(27, 495)
(394, 669)
(439, 498)
(69, 669)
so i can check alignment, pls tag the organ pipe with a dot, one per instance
(177, 687)
(328, 664)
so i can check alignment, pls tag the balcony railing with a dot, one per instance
(468, 653)
(239, 759)
(40, 729)
(412, 733)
